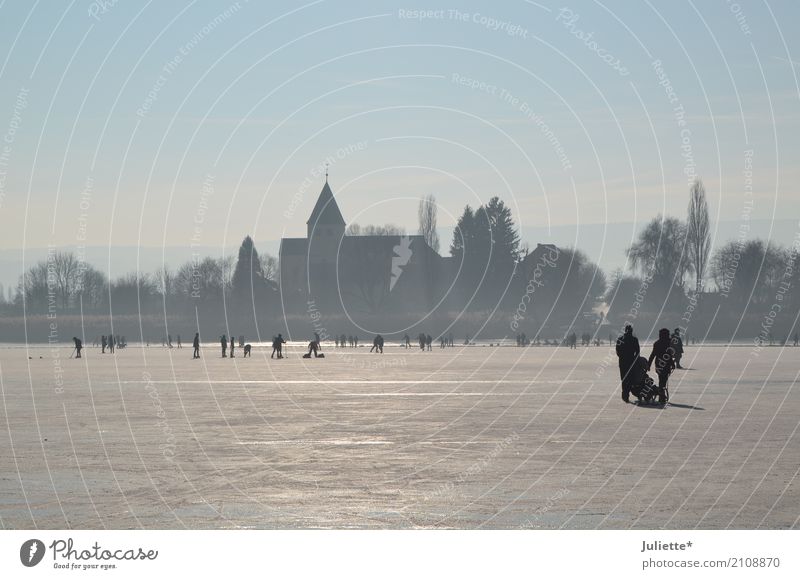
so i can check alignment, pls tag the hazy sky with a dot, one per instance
(163, 123)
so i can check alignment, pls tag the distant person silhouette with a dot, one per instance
(103, 344)
(313, 348)
(78, 347)
(665, 362)
(277, 346)
(407, 341)
(196, 346)
(317, 340)
(355, 341)
(223, 342)
(232, 345)
(247, 348)
(421, 340)
(628, 354)
(169, 340)
(111, 343)
(429, 342)
(377, 345)
(179, 341)
(677, 347)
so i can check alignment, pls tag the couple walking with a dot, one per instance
(667, 352)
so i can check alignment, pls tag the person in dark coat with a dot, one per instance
(233, 343)
(677, 347)
(196, 346)
(277, 346)
(103, 344)
(223, 342)
(377, 345)
(628, 354)
(665, 362)
(78, 347)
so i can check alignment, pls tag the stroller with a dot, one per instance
(643, 386)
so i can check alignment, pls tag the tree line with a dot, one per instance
(671, 266)
(71, 285)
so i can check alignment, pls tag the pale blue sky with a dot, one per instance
(264, 92)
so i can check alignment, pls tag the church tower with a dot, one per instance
(326, 228)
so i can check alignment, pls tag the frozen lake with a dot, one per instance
(467, 437)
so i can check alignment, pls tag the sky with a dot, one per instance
(139, 132)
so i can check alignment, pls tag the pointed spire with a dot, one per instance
(326, 211)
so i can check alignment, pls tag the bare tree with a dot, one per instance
(380, 230)
(427, 221)
(165, 281)
(698, 232)
(658, 252)
(269, 267)
(65, 267)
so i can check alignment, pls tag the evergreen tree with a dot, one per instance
(462, 233)
(247, 274)
(504, 237)
(486, 245)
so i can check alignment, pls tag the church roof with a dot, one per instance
(326, 211)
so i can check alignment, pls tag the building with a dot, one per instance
(358, 274)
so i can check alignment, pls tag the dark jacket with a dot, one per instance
(663, 354)
(627, 349)
(677, 344)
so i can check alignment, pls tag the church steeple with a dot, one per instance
(326, 211)
(325, 226)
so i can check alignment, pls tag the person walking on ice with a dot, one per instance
(78, 347)
(628, 354)
(665, 363)
(677, 347)
(223, 342)
(196, 346)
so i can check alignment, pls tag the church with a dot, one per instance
(359, 274)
